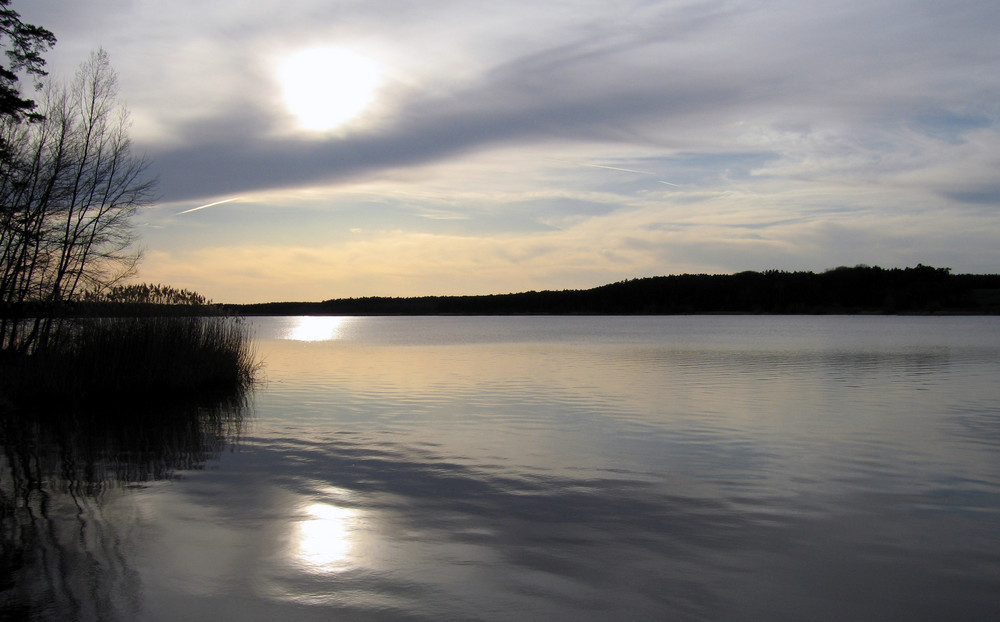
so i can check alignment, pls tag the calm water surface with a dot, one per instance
(548, 468)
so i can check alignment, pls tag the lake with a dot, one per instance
(538, 468)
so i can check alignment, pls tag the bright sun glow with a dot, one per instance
(326, 87)
(325, 537)
(310, 328)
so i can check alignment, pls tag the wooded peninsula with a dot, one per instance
(846, 290)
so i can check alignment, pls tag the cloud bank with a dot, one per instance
(527, 145)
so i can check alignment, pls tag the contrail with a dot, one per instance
(632, 170)
(195, 209)
(615, 168)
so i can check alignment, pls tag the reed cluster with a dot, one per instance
(163, 358)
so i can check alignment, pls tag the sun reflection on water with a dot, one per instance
(325, 538)
(310, 328)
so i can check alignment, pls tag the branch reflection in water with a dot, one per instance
(71, 485)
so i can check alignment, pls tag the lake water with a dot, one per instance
(541, 468)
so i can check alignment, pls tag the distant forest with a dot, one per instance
(861, 289)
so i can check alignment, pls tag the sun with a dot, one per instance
(327, 87)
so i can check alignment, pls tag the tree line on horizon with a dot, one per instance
(858, 289)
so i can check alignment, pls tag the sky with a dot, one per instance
(398, 148)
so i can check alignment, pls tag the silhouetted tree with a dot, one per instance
(68, 191)
(23, 45)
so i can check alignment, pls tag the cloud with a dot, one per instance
(797, 133)
(720, 232)
(700, 80)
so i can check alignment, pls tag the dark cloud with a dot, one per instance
(234, 157)
(979, 195)
(517, 73)
(765, 121)
(948, 126)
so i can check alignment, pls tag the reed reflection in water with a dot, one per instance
(589, 469)
(71, 489)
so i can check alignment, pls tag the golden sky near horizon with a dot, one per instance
(384, 148)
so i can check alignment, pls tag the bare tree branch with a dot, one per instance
(68, 193)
